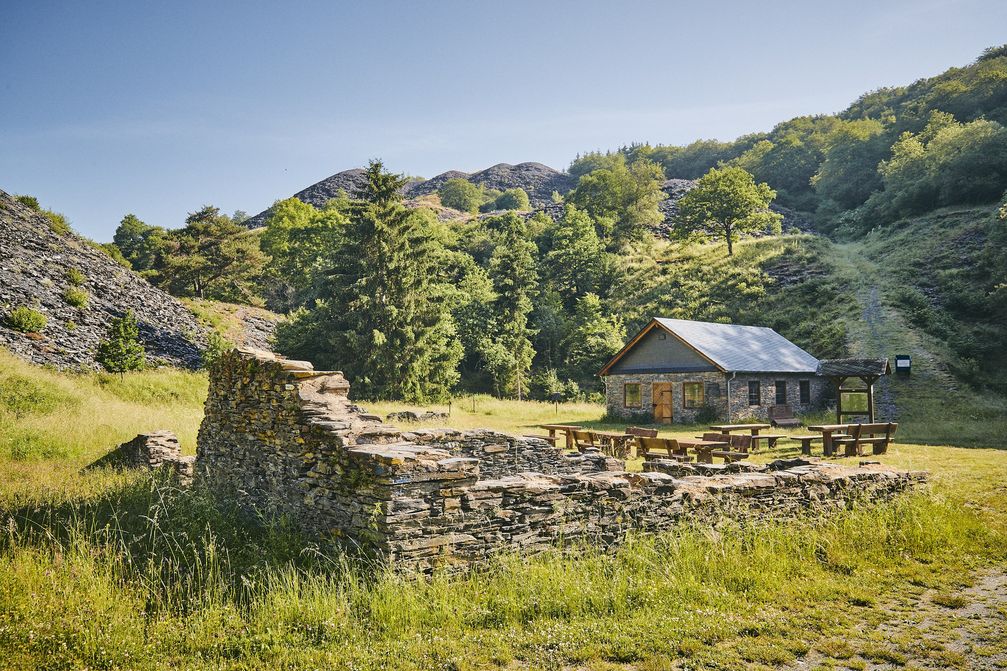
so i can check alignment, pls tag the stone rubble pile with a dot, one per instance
(152, 451)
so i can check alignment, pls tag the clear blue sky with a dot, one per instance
(157, 108)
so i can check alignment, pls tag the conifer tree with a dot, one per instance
(384, 318)
(575, 260)
(122, 351)
(512, 269)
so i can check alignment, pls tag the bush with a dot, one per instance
(59, 224)
(76, 297)
(122, 351)
(513, 199)
(75, 277)
(26, 320)
(216, 346)
(460, 194)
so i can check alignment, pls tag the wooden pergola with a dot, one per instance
(846, 374)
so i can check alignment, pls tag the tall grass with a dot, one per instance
(151, 577)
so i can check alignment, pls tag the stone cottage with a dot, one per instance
(675, 369)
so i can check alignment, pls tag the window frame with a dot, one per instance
(755, 385)
(625, 395)
(779, 385)
(702, 395)
(804, 392)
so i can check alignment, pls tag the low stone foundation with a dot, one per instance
(285, 439)
(153, 451)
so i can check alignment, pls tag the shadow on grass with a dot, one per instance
(180, 543)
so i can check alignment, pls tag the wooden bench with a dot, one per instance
(740, 448)
(782, 416)
(806, 442)
(878, 436)
(661, 448)
(584, 440)
(770, 438)
(639, 432)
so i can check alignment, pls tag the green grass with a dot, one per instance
(100, 569)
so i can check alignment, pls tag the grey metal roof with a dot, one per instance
(743, 349)
(853, 367)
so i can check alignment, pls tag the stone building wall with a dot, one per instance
(733, 391)
(284, 439)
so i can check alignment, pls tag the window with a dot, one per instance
(805, 386)
(692, 394)
(631, 395)
(712, 390)
(754, 393)
(781, 392)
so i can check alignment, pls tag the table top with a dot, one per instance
(612, 434)
(828, 427)
(561, 427)
(703, 443)
(739, 427)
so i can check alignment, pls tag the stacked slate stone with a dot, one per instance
(152, 451)
(285, 439)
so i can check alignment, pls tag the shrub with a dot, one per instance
(71, 326)
(216, 346)
(26, 320)
(513, 199)
(461, 194)
(122, 351)
(75, 277)
(76, 297)
(59, 224)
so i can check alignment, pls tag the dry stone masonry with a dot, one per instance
(153, 451)
(286, 440)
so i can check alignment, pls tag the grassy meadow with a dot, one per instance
(120, 571)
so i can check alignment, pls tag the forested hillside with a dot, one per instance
(518, 296)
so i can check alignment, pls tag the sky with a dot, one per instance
(157, 108)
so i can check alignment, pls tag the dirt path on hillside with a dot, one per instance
(883, 331)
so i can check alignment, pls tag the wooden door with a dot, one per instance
(662, 402)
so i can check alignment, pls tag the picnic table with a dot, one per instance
(728, 428)
(827, 430)
(703, 448)
(568, 429)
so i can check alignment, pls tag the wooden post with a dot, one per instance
(869, 381)
(839, 399)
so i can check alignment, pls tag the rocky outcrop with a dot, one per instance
(35, 271)
(284, 439)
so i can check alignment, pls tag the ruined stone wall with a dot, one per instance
(284, 439)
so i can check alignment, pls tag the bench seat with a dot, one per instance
(729, 456)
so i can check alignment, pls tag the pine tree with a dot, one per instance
(122, 351)
(575, 261)
(512, 269)
(384, 316)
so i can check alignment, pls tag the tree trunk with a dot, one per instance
(730, 247)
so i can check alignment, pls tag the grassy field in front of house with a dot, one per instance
(119, 571)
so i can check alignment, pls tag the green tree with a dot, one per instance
(727, 202)
(461, 194)
(122, 350)
(142, 245)
(513, 199)
(593, 339)
(384, 315)
(299, 240)
(623, 199)
(512, 270)
(212, 257)
(575, 261)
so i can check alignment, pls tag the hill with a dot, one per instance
(78, 289)
(539, 182)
